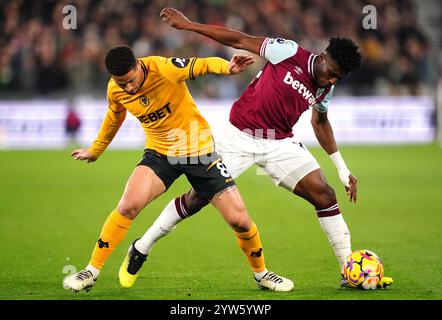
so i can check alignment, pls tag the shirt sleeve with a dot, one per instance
(277, 50)
(115, 116)
(323, 105)
(182, 69)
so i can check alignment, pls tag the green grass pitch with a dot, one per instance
(53, 208)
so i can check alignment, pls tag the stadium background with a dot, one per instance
(385, 116)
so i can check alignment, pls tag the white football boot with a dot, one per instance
(82, 280)
(271, 281)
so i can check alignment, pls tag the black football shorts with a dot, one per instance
(207, 174)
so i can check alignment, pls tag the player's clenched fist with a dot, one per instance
(174, 17)
(83, 154)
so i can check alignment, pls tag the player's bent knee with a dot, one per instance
(239, 220)
(325, 196)
(129, 209)
(330, 194)
(240, 225)
(194, 202)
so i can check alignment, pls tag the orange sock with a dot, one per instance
(250, 244)
(114, 230)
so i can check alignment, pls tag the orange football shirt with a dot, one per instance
(163, 105)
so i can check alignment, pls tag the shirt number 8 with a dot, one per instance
(222, 168)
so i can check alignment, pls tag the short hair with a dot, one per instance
(120, 60)
(345, 52)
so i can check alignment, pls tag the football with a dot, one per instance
(363, 269)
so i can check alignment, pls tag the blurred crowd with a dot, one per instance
(38, 56)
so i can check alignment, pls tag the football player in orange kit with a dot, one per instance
(178, 141)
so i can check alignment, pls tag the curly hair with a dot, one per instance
(345, 52)
(120, 60)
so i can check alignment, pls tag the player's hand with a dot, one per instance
(175, 18)
(239, 63)
(83, 154)
(352, 189)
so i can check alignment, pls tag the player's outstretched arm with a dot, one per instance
(324, 133)
(214, 65)
(83, 154)
(222, 35)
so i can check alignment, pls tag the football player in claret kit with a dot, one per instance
(178, 141)
(260, 129)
